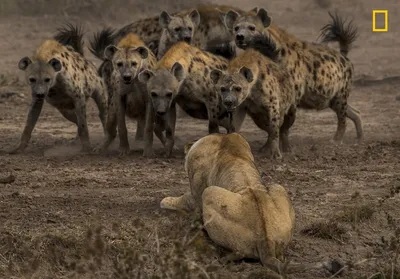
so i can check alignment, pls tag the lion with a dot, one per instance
(239, 211)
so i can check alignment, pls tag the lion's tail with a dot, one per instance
(266, 199)
(337, 31)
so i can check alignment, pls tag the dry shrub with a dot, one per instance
(325, 229)
(357, 213)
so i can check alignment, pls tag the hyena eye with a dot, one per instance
(223, 90)
(134, 64)
(153, 94)
(252, 28)
(238, 89)
(169, 95)
(47, 80)
(32, 80)
(120, 64)
(190, 29)
(177, 29)
(237, 28)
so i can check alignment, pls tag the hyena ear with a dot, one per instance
(230, 19)
(188, 146)
(254, 10)
(195, 17)
(215, 75)
(153, 46)
(164, 19)
(56, 64)
(265, 18)
(24, 63)
(178, 71)
(143, 51)
(110, 51)
(247, 74)
(145, 75)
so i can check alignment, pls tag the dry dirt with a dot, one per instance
(59, 194)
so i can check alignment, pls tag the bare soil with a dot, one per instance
(56, 200)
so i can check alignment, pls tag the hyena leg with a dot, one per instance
(288, 121)
(354, 115)
(148, 131)
(101, 101)
(212, 112)
(170, 130)
(33, 116)
(141, 123)
(271, 147)
(83, 131)
(122, 130)
(111, 129)
(339, 105)
(71, 116)
(159, 128)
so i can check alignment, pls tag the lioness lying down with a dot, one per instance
(239, 212)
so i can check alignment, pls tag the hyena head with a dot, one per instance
(180, 28)
(233, 88)
(163, 85)
(40, 75)
(127, 61)
(246, 27)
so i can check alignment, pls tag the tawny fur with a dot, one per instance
(239, 211)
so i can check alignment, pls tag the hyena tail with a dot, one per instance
(339, 31)
(100, 41)
(70, 35)
(265, 44)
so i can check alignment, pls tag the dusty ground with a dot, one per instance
(58, 194)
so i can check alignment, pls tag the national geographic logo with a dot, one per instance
(385, 27)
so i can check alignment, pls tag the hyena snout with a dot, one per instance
(230, 103)
(40, 91)
(127, 78)
(239, 37)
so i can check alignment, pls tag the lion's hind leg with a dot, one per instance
(182, 203)
(229, 219)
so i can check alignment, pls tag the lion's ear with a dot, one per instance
(188, 146)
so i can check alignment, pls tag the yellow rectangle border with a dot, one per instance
(386, 15)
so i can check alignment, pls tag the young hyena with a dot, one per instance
(182, 77)
(61, 75)
(128, 97)
(322, 76)
(265, 89)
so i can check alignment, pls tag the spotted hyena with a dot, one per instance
(265, 89)
(182, 76)
(59, 73)
(322, 75)
(128, 97)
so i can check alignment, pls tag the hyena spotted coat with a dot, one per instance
(128, 97)
(322, 75)
(59, 73)
(182, 76)
(265, 89)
